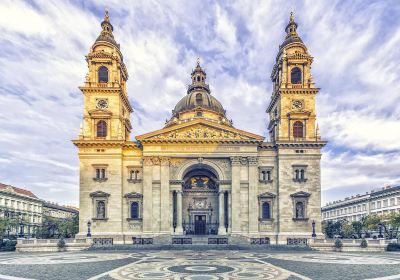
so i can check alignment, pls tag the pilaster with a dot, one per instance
(147, 195)
(165, 196)
(253, 192)
(235, 163)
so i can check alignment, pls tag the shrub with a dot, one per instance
(338, 243)
(393, 247)
(61, 243)
(9, 245)
(364, 243)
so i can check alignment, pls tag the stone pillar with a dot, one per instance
(179, 229)
(235, 162)
(253, 195)
(147, 195)
(229, 212)
(165, 196)
(221, 212)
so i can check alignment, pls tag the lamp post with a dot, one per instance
(380, 231)
(88, 229)
(313, 235)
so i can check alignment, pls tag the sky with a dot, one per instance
(355, 45)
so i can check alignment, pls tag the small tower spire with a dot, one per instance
(291, 28)
(198, 78)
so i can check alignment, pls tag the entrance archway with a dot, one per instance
(200, 204)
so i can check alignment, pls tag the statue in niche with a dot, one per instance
(101, 210)
(299, 210)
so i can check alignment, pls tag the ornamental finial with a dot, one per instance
(198, 61)
(291, 17)
(106, 17)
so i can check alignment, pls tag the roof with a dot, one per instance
(65, 208)
(17, 190)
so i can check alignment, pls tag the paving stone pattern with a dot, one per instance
(199, 265)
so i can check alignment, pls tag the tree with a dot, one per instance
(348, 230)
(333, 228)
(4, 224)
(391, 224)
(358, 227)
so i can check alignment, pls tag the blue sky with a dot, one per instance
(356, 52)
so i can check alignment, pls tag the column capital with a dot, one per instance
(221, 192)
(253, 160)
(235, 160)
(179, 191)
(147, 161)
(164, 161)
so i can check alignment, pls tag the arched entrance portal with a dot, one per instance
(200, 200)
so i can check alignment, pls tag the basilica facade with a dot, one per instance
(199, 175)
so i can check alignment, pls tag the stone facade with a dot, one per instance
(61, 212)
(22, 208)
(199, 174)
(354, 208)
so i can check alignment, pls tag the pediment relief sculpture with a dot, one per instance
(201, 132)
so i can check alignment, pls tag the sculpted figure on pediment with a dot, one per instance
(201, 133)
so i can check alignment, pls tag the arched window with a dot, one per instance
(198, 78)
(299, 209)
(295, 76)
(296, 176)
(266, 211)
(135, 210)
(298, 129)
(199, 99)
(101, 129)
(302, 174)
(103, 74)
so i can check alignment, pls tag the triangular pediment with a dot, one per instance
(199, 131)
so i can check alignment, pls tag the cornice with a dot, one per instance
(300, 144)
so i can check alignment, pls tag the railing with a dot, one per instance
(205, 229)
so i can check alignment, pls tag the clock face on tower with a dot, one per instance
(297, 104)
(102, 104)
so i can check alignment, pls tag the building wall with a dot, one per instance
(384, 201)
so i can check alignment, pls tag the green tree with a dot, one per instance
(348, 230)
(4, 224)
(358, 228)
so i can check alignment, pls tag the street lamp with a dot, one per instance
(313, 235)
(380, 231)
(88, 229)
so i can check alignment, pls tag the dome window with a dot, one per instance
(199, 99)
(199, 114)
(198, 78)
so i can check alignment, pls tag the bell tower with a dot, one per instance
(106, 106)
(292, 106)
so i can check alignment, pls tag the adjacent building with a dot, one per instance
(199, 174)
(61, 212)
(26, 211)
(380, 202)
(22, 208)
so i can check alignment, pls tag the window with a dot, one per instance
(134, 174)
(392, 202)
(103, 74)
(101, 209)
(199, 99)
(265, 174)
(135, 210)
(198, 78)
(101, 129)
(295, 75)
(379, 205)
(299, 210)
(100, 173)
(298, 129)
(299, 174)
(266, 214)
(199, 114)
(385, 203)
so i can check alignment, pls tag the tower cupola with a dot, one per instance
(199, 79)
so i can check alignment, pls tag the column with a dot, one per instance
(253, 193)
(179, 229)
(147, 195)
(165, 196)
(229, 212)
(221, 227)
(235, 162)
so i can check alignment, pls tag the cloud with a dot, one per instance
(355, 49)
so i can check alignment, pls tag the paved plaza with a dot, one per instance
(199, 265)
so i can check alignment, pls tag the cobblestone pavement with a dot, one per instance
(199, 265)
